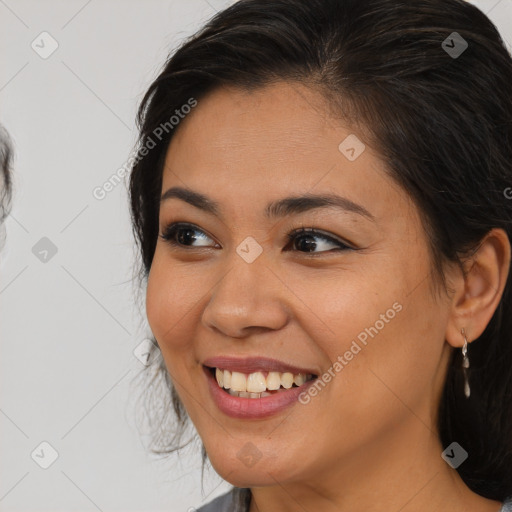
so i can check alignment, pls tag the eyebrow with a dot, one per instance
(276, 209)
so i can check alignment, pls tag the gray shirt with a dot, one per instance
(237, 500)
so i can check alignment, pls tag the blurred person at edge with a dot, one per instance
(5, 181)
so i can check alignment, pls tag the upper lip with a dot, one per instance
(254, 364)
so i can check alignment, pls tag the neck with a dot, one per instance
(405, 472)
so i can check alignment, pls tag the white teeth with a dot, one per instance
(273, 380)
(219, 375)
(244, 394)
(299, 379)
(255, 385)
(238, 381)
(227, 379)
(256, 382)
(287, 380)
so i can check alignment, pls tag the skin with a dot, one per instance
(370, 433)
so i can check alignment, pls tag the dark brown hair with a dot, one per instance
(5, 174)
(441, 122)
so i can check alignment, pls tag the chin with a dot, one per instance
(248, 468)
(248, 477)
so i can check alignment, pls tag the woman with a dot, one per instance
(322, 205)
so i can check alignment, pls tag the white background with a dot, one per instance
(69, 325)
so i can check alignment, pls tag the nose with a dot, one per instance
(249, 298)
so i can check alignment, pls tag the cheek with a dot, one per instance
(171, 298)
(393, 372)
(389, 339)
(157, 308)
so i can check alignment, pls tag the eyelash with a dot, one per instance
(172, 229)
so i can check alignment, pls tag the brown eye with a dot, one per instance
(180, 234)
(308, 240)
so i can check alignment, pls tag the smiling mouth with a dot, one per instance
(258, 384)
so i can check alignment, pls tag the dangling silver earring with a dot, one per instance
(465, 364)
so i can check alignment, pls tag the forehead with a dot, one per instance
(278, 140)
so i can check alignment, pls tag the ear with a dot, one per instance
(479, 291)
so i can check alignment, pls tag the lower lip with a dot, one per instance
(252, 408)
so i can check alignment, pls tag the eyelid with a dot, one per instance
(170, 229)
(302, 229)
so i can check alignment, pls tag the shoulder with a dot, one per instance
(507, 505)
(223, 503)
(231, 501)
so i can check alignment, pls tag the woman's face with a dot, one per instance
(351, 305)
